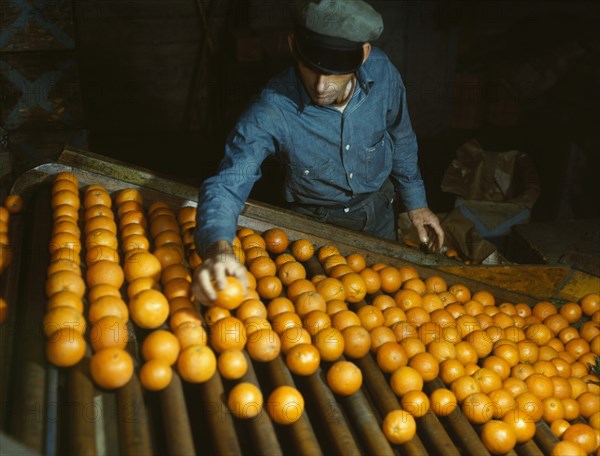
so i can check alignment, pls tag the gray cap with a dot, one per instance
(330, 33)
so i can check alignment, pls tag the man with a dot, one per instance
(338, 123)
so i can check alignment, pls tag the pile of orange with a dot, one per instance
(505, 366)
(13, 204)
(64, 324)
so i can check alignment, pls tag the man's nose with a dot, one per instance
(321, 83)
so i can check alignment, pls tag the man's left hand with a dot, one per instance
(428, 228)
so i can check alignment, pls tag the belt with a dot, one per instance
(350, 206)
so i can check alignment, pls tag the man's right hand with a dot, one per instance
(210, 276)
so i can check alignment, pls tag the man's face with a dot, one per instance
(324, 89)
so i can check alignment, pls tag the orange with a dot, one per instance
(285, 405)
(413, 346)
(466, 352)
(567, 448)
(372, 280)
(107, 305)
(168, 254)
(108, 331)
(149, 309)
(431, 302)
(299, 286)
(450, 370)
(441, 350)
(461, 292)
(399, 426)
(415, 284)
(101, 253)
(308, 301)
(416, 403)
(262, 266)
(589, 403)
(111, 368)
(63, 317)
(497, 365)
(128, 194)
(161, 344)
(279, 305)
(408, 272)
(290, 272)
(245, 401)
(355, 287)
(99, 222)
(263, 345)
(589, 330)
(196, 363)
(370, 316)
(276, 240)
(315, 321)
(335, 305)
(64, 240)
(302, 249)
(327, 250)
(390, 356)
(464, 386)
(177, 288)
(331, 288)
(391, 279)
(583, 435)
(175, 271)
(407, 299)
(231, 296)
(65, 298)
(503, 401)
(357, 341)
(141, 263)
(405, 379)
(190, 333)
(543, 309)
(140, 284)
(523, 427)
(553, 409)
(344, 378)
(530, 406)
(104, 272)
(435, 284)
(571, 311)
(251, 308)
(558, 427)
(232, 364)
(155, 375)
(63, 197)
(393, 315)
(285, 320)
(380, 335)
(303, 359)
(65, 348)
(228, 333)
(168, 237)
(292, 336)
(183, 315)
(540, 385)
(426, 364)
(356, 261)
(478, 408)
(590, 303)
(65, 212)
(65, 280)
(442, 401)
(101, 236)
(59, 185)
(330, 343)
(498, 437)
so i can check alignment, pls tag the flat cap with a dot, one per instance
(330, 33)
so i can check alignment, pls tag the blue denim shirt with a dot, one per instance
(328, 157)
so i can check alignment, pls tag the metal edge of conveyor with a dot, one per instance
(513, 283)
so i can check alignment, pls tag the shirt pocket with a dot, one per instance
(378, 160)
(314, 180)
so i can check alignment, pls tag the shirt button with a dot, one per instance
(346, 210)
(347, 146)
(351, 175)
(307, 172)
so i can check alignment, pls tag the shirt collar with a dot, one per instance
(363, 79)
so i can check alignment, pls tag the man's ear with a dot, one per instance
(366, 51)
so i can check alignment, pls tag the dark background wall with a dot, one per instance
(158, 83)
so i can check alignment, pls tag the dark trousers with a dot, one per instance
(372, 214)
